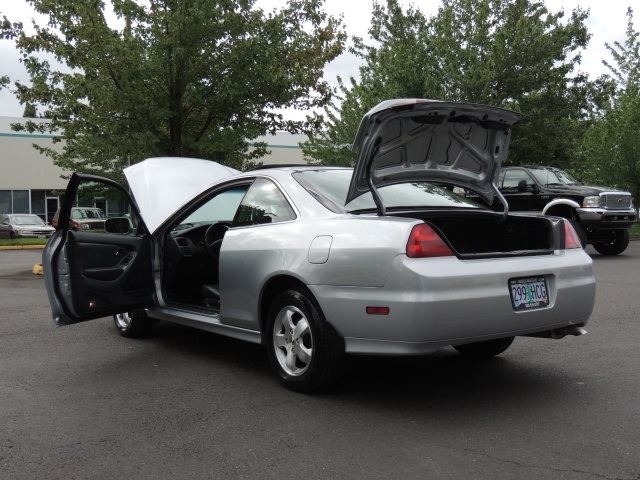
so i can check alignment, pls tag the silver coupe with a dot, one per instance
(318, 262)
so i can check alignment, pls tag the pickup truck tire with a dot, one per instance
(619, 241)
(580, 230)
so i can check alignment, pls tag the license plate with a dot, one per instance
(529, 293)
(42, 236)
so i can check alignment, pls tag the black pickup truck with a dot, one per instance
(601, 216)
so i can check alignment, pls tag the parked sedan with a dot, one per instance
(22, 225)
(319, 262)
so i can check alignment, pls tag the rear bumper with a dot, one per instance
(446, 301)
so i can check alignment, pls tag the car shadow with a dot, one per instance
(614, 258)
(226, 352)
(442, 380)
(443, 376)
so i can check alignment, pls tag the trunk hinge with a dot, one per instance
(505, 212)
(382, 211)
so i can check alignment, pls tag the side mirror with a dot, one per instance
(118, 225)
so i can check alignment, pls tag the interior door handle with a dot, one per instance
(120, 252)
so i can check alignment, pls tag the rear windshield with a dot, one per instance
(330, 188)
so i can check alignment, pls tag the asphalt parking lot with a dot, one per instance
(82, 402)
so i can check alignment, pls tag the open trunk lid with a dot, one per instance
(410, 140)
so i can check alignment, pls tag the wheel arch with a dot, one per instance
(562, 207)
(270, 291)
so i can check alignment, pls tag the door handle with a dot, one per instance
(120, 252)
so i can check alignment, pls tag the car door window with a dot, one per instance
(220, 208)
(263, 203)
(513, 177)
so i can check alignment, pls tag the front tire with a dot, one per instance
(618, 241)
(486, 349)
(134, 324)
(304, 350)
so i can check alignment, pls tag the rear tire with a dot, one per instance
(134, 324)
(486, 349)
(305, 352)
(618, 243)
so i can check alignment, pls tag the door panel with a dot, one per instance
(109, 272)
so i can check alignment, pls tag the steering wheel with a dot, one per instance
(213, 239)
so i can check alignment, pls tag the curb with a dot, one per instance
(21, 247)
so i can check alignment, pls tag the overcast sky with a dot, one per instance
(607, 23)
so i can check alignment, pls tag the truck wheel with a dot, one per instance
(580, 230)
(617, 242)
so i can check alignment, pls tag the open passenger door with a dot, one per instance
(100, 266)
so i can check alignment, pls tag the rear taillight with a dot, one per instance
(571, 239)
(425, 242)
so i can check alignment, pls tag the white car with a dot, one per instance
(318, 262)
(23, 225)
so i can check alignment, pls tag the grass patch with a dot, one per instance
(635, 230)
(22, 241)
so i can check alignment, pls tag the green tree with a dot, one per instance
(197, 78)
(397, 65)
(612, 143)
(30, 111)
(509, 53)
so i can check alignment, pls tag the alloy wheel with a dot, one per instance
(292, 341)
(123, 320)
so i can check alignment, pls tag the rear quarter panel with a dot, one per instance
(361, 253)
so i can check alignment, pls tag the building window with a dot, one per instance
(5, 201)
(20, 201)
(116, 207)
(38, 203)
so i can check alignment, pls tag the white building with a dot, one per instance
(31, 183)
